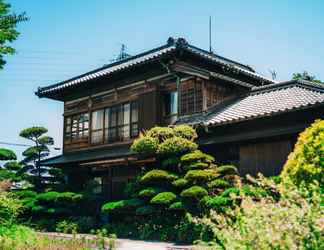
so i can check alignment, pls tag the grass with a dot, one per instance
(19, 237)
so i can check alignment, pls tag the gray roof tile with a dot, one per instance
(263, 101)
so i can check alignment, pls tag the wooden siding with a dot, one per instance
(265, 157)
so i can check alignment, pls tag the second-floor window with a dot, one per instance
(116, 123)
(76, 127)
(191, 99)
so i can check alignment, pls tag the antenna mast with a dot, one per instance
(210, 35)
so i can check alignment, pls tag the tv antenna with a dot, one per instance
(273, 74)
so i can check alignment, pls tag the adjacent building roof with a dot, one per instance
(148, 56)
(262, 101)
(88, 155)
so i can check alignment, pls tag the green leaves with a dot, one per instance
(33, 133)
(7, 155)
(164, 198)
(8, 32)
(306, 162)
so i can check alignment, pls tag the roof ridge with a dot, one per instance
(304, 83)
(108, 66)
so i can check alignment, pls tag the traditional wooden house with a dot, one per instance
(241, 116)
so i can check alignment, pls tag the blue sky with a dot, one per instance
(66, 38)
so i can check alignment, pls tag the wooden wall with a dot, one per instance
(265, 157)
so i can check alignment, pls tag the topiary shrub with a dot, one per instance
(227, 169)
(176, 146)
(186, 132)
(164, 198)
(196, 165)
(145, 145)
(200, 176)
(197, 156)
(160, 133)
(180, 183)
(149, 192)
(219, 183)
(121, 206)
(306, 163)
(157, 176)
(194, 192)
(179, 205)
(145, 210)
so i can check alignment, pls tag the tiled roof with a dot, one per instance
(262, 101)
(171, 46)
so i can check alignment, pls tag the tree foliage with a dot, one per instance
(180, 177)
(7, 155)
(8, 32)
(34, 154)
(305, 76)
(306, 163)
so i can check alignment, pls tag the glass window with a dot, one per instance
(97, 126)
(171, 103)
(77, 127)
(116, 123)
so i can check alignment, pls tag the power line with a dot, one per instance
(23, 145)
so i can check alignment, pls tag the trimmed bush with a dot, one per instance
(145, 145)
(164, 198)
(177, 206)
(180, 183)
(217, 202)
(149, 192)
(160, 133)
(194, 192)
(228, 192)
(145, 210)
(186, 132)
(219, 183)
(306, 162)
(197, 156)
(227, 169)
(157, 175)
(197, 165)
(196, 176)
(176, 146)
(7, 155)
(121, 206)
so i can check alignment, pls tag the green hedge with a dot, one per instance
(197, 155)
(149, 192)
(145, 145)
(121, 206)
(164, 198)
(194, 192)
(158, 175)
(176, 146)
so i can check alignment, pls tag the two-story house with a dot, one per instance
(241, 117)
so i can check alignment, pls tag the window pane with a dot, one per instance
(120, 115)
(134, 111)
(113, 117)
(174, 102)
(134, 129)
(96, 136)
(107, 114)
(97, 119)
(126, 113)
